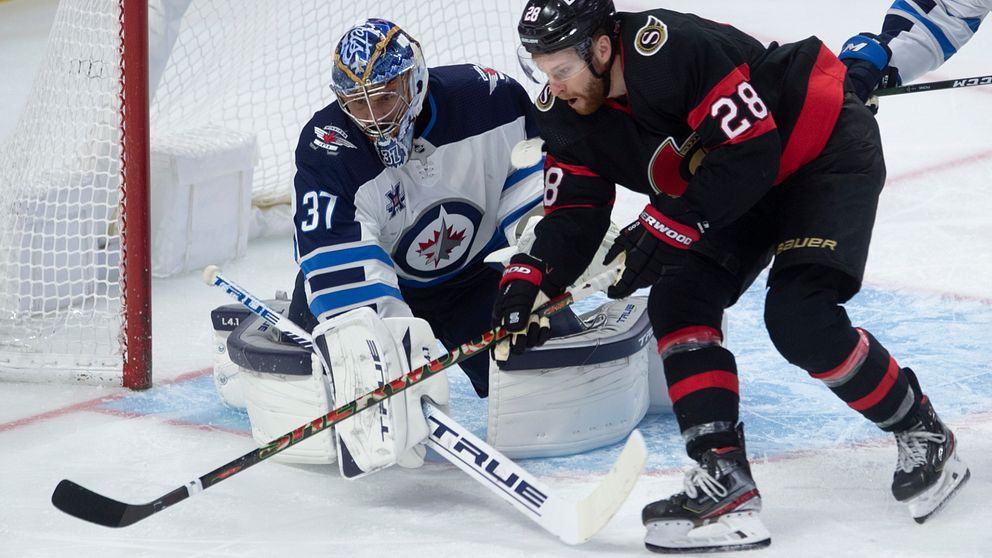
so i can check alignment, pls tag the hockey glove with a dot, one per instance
(867, 61)
(655, 245)
(519, 294)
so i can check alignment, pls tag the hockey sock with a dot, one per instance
(703, 387)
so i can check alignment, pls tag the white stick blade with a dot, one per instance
(596, 509)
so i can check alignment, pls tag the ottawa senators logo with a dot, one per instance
(650, 38)
(545, 100)
(673, 165)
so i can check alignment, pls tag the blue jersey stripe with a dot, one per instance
(519, 212)
(521, 174)
(350, 297)
(433, 120)
(346, 256)
(945, 43)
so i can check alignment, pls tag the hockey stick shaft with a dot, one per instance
(936, 85)
(213, 277)
(85, 504)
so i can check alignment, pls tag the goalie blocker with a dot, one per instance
(586, 388)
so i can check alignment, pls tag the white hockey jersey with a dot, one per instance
(923, 34)
(363, 229)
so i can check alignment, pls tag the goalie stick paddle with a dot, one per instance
(82, 503)
(935, 86)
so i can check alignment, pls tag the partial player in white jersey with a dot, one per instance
(917, 37)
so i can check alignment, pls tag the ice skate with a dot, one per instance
(718, 511)
(929, 471)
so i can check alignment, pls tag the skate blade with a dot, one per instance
(931, 500)
(733, 531)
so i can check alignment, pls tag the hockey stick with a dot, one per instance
(935, 85)
(574, 522)
(213, 277)
(83, 503)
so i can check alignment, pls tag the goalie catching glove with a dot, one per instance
(519, 295)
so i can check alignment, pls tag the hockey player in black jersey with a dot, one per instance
(749, 155)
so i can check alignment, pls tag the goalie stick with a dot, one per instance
(573, 523)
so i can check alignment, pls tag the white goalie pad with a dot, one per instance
(276, 381)
(227, 374)
(278, 403)
(581, 391)
(363, 353)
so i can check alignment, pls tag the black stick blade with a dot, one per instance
(87, 505)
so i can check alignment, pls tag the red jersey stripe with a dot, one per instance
(824, 97)
(728, 88)
(579, 170)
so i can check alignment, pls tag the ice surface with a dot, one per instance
(823, 471)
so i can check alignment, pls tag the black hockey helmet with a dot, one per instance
(551, 25)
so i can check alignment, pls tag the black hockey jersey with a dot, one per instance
(711, 121)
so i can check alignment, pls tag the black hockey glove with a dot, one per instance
(519, 294)
(655, 245)
(867, 61)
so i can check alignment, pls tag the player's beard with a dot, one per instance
(591, 98)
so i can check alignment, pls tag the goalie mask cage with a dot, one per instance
(75, 282)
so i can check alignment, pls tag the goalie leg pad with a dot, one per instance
(577, 392)
(364, 352)
(277, 403)
(278, 383)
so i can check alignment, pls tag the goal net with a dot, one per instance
(215, 67)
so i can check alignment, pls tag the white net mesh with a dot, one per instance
(249, 66)
(276, 71)
(59, 179)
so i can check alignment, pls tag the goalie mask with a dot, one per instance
(380, 79)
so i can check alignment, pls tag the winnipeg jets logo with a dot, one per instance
(331, 138)
(490, 75)
(439, 241)
(440, 245)
(650, 38)
(397, 200)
